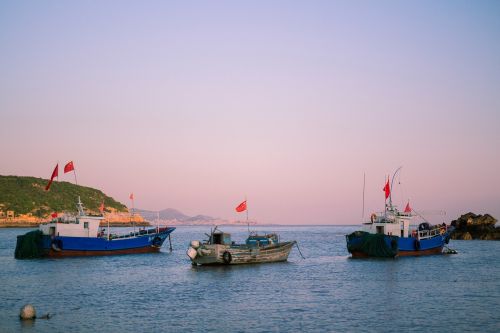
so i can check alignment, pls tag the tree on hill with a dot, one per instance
(27, 195)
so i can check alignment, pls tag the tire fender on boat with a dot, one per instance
(157, 241)
(56, 245)
(227, 257)
(417, 244)
(394, 244)
(191, 253)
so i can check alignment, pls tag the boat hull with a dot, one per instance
(406, 246)
(242, 254)
(64, 246)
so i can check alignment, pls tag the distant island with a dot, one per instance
(172, 216)
(472, 226)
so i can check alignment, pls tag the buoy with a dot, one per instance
(27, 312)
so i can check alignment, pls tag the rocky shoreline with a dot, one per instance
(472, 226)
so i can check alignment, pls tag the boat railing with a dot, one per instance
(133, 234)
(423, 234)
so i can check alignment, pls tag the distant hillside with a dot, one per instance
(171, 214)
(27, 195)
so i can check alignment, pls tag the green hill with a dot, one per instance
(27, 195)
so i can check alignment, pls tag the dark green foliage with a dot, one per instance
(373, 244)
(27, 195)
(29, 245)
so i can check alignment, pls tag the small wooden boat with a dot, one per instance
(220, 250)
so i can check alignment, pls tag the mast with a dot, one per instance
(392, 185)
(79, 205)
(363, 212)
(108, 229)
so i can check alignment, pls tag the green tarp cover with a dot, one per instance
(373, 245)
(29, 245)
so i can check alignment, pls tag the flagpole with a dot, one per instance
(248, 223)
(74, 172)
(132, 216)
(103, 216)
(133, 220)
(385, 201)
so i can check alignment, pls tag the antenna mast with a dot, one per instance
(392, 185)
(364, 183)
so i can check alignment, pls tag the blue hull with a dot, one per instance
(141, 242)
(406, 246)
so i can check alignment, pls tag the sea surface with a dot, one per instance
(326, 292)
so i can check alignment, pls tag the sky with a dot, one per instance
(195, 105)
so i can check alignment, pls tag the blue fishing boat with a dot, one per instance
(81, 235)
(391, 234)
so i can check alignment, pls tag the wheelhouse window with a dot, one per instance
(85, 225)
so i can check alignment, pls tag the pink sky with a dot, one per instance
(195, 105)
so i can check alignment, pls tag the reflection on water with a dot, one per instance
(328, 291)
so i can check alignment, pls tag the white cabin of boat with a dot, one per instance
(391, 223)
(82, 225)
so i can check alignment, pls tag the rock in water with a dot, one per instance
(467, 236)
(27, 312)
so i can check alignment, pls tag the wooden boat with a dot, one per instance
(220, 250)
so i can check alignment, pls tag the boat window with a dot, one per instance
(217, 238)
(380, 229)
(85, 225)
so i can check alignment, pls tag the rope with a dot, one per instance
(298, 248)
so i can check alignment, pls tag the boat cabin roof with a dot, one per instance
(219, 237)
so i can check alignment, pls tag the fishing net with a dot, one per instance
(374, 245)
(29, 245)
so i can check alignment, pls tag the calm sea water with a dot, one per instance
(326, 292)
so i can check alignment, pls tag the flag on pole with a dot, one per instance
(387, 189)
(69, 167)
(55, 174)
(408, 208)
(131, 196)
(242, 207)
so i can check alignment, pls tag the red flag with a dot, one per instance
(408, 208)
(131, 196)
(387, 189)
(69, 167)
(55, 174)
(101, 207)
(54, 215)
(242, 207)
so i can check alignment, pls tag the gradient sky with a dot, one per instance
(193, 105)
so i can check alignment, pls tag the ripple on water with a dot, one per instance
(327, 291)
